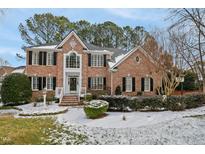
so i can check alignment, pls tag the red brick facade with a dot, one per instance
(128, 67)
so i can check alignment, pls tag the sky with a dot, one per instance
(11, 42)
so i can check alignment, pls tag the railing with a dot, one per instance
(83, 91)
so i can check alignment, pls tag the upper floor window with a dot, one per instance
(73, 61)
(97, 60)
(35, 58)
(50, 58)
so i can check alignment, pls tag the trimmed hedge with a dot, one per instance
(95, 109)
(16, 89)
(154, 103)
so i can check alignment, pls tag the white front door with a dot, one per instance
(72, 85)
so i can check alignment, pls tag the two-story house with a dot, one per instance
(72, 68)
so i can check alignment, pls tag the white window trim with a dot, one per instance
(147, 90)
(99, 60)
(96, 79)
(128, 79)
(77, 58)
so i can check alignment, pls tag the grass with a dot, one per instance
(36, 131)
(200, 116)
(25, 130)
(9, 107)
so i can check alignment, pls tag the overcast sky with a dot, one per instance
(11, 42)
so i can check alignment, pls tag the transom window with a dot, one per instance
(147, 84)
(49, 83)
(128, 84)
(35, 83)
(97, 60)
(35, 58)
(73, 61)
(97, 83)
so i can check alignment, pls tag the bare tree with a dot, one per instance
(188, 32)
(163, 51)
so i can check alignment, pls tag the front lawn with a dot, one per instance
(9, 107)
(33, 131)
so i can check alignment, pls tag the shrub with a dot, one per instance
(175, 103)
(95, 108)
(153, 103)
(118, 90)
(193, 101)
(120, 103)
(16, 89)
(88, 97)
(97, 93)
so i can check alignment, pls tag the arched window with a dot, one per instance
(72, 61)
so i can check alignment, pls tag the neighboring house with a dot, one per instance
(72, 68)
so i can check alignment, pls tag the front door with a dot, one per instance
(72, 84)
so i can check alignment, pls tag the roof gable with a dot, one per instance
(67, 37)
(122, 59)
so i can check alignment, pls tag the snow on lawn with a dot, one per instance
(28, 109)
(133, 119)
(139, 128)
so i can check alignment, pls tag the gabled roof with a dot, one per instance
(67, 37)
(119, 59)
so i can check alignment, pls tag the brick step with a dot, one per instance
(69, 104)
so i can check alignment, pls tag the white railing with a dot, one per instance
(83, 91)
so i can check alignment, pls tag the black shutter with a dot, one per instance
(54, 83)
(39, 83)
(133, 84)
(54, 58)
(44, 82)
(123, 83)
(104, 83)
(142, 84)
(105, 60)
(44, 58)
(151, 84)
(89, 82)
(30, 58)
(40, 57)
(30, 81)
(89, 59)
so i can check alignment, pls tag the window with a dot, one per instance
(97, 83)
(49, 58)
(50, 83)
(97, 60)
(146, 84)
(72, 61)
(35, 59)
(35, 83)
(128, 84)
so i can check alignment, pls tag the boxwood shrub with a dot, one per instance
(95, 108)
(154, 103)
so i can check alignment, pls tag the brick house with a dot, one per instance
(72, 68)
